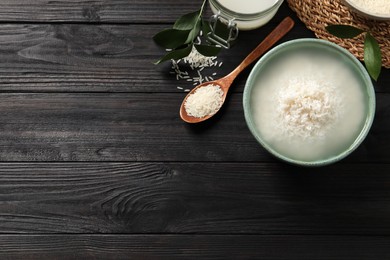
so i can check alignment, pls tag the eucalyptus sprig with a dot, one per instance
(180, 39)
(372, 52)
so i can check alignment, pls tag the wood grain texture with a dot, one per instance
(193, 247)
(95, 11)
(103, 58)
(82, 58)
(141, 127)
(187, 198)
(96, 164)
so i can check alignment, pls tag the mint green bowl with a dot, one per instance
(341, 55)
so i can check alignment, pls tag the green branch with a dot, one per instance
(180, 39)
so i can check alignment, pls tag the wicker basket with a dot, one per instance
(317, 14)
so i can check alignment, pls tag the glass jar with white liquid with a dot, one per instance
(240, 15)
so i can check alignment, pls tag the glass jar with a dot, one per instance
(241, 15)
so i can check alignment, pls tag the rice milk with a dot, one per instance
(247, 14)
(248, 6)
(308, 105)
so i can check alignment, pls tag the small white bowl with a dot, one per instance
(366, 13)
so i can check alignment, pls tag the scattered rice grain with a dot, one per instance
(197, 63)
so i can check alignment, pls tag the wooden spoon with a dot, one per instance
(225, 82)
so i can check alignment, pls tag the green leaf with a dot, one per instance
(372, 56)
(194, 32)
(187, 21)
(176, 54)
(344, 31)
(207, 50)
(171, 38)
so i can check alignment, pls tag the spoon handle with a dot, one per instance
(276, 34)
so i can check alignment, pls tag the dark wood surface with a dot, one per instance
(95, 162)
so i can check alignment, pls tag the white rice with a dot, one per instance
(205, 101)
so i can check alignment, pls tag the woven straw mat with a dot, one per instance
(317, 14)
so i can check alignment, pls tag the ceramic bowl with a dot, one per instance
(269, 62)
(366, 13)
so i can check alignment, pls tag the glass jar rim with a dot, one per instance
(244, 16)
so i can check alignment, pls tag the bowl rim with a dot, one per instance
(366, 13)
(357, 65)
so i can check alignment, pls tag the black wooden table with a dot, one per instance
(96, 163)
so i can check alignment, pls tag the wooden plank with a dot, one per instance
(115, 127)
(95, 11)
(89, 58)
(103, 11)
(141, 127)
(193, 247)
(104, 58)
(110, 58)
(83, 58)
(187, 198)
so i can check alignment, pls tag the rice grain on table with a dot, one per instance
(196, 62)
